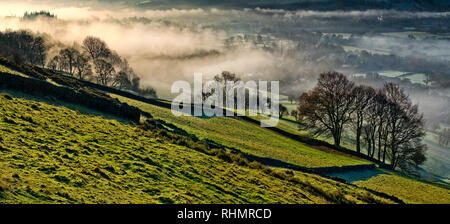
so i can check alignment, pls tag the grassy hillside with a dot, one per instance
(289, 125)
(407, 189)
(275, 146)
(52, 154)
(58, 152)
(249, 138)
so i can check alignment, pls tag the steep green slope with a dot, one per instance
(52, 154)
(249, 138)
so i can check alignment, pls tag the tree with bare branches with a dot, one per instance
(104, 71)
(405, 128)
(83, 68)
(68, 56)
(328, 107)
(96, 48)
(363, 97)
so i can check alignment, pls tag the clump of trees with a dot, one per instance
(384, 121)
(23, 46)
(93, 60)
(38, 14)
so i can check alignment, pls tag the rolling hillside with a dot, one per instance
(55, 151)
(52, 154)
(222, 129)
(249, 138)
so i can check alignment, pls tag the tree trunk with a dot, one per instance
(358, 140)
(337, 141)
(393, 162)
(379, 144)
(373, 145)
(337, 138)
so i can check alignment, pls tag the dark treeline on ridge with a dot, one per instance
(91, 60)
(384, 120)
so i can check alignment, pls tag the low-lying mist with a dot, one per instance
(167, 45)
(160, 50)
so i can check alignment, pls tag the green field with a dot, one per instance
(289, 125)
(52, 154)
(249, 138)
(407, 189)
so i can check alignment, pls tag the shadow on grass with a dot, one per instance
(358, 175)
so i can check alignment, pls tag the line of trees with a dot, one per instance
(22, 46)
(93, 60)
(384, 121)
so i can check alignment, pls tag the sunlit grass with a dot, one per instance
(249, 138)
(407, 189)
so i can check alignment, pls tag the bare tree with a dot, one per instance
(104, 71)
(57, 63)
(381, 115)
(68, 56)
(405, 127)
(39, 51)
(227, 82)
(96, 48)
(328, 107)
(363, 97)
(53, 63)
(122, 80)
(82, 66)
